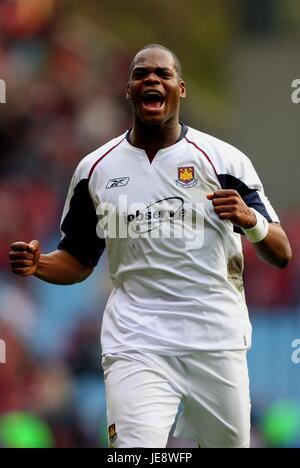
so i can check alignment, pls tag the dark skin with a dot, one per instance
(58, 267)
(274, 248)
(155, 126)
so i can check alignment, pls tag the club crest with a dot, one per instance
(186, 177)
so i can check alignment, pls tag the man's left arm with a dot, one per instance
(269, 239)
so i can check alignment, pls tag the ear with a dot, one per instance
(128, 94)
(182, 89)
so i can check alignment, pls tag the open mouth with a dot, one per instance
(153, 100)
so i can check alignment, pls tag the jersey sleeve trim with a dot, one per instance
(203, 152)
(103, 156)
(79, 227)
(251, 197)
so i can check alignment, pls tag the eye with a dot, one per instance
(166, 75)
(138, 74)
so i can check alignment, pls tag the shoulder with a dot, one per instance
(87, 165)
(224, 156)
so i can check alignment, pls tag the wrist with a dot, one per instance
(252, 220)
(259, 231)
(39, 266)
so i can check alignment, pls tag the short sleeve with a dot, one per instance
(79, 223)
(243, 178)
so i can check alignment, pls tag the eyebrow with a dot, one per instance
(156, 69)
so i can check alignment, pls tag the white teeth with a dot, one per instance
(152, 93)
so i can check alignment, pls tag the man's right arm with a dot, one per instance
(58, 267)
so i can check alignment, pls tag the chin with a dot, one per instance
(153, 122)
(153, 119)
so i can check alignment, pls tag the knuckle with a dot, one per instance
(21, 271)
(17, 271)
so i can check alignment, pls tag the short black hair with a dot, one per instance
(177, 63)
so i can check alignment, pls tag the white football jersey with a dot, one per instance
(176, 267)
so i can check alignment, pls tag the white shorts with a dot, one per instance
(144, 391)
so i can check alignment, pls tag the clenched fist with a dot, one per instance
(228, 204)
(24, 258)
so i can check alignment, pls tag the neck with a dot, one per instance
(152, 138)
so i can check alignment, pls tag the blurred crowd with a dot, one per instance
(61, 105)
(63, 101)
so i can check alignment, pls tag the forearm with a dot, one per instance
(269, 239)
(59, 267)
(274, 248)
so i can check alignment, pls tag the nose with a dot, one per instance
(152, 78)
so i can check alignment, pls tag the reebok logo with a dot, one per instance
(117, 182)
(2, 352)
(2, 92)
